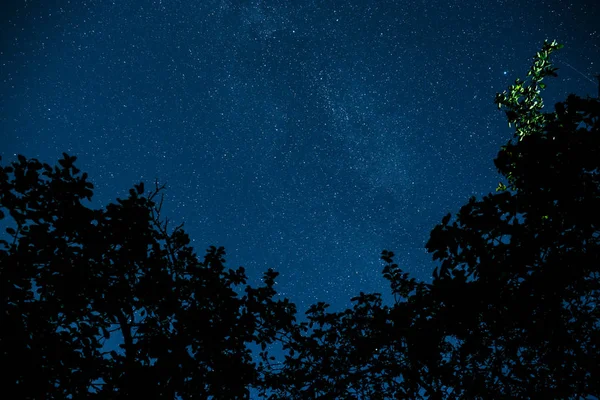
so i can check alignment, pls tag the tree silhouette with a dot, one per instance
(512, 311)
(73, 277)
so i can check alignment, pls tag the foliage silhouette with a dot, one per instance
(71, 277)
(512, 311)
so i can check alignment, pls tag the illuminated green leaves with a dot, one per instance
(522, 101)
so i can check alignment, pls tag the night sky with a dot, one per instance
(301, 135)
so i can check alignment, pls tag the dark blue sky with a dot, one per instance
(305, 136)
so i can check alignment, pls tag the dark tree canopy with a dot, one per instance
(72, 276)
(512, 311)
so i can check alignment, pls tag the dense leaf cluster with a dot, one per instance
(512, 311)
(71, 277)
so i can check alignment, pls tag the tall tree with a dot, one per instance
(512, 311)
(72, 277)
